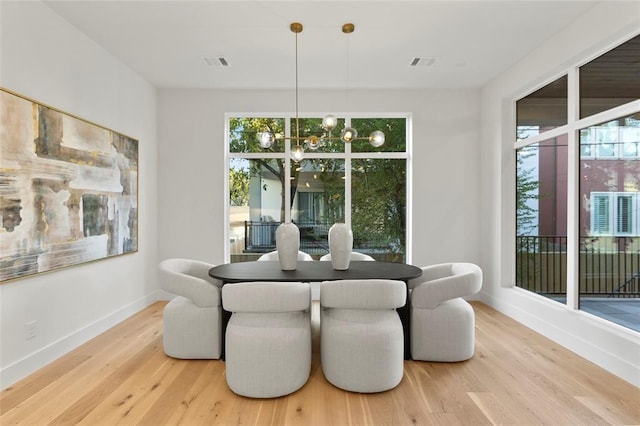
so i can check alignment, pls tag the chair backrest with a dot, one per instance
(363, 294)
(266, 297)
(190, 278)
(354, 256)
(194, 268)
(445, 281)
(273, 255)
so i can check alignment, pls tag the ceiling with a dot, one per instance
(466, 43)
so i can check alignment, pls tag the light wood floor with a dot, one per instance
(516, 377)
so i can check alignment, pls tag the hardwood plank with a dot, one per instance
(209, 400)
(412, 406)
(447, 392)
(181, 393)
(535, 394)
(47, 404)
(516, 377)
(494, 407)
(109, 342)
(130, 401)
(12, 396)
(608, 410)
(104, 385)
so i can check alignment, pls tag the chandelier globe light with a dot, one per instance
(266, 139)
(329, 122)
(297, 153)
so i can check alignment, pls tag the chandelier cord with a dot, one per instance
(347, 68)
(297, 124)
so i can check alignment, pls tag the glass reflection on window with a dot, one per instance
(543, 110)
(611, 79)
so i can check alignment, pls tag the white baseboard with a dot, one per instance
(43, 356)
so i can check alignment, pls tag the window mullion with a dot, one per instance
(227, 186)
(573, 199)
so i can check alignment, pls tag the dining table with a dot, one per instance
(318, 271)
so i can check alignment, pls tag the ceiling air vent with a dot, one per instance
(215, 61)
(422, 62)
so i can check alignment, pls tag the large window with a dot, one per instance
(354, 183)
(578, 237)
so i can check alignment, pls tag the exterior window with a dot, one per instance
(337, 182)
(614, 213)
(611, 140)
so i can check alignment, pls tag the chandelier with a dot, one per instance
(329, 122)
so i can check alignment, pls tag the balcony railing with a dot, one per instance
(260, 237)
(609, 266)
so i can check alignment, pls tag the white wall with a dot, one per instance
(45, 58)
(613, 347)
(445, 177)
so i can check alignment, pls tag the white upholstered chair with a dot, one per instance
(273, 255)
(191, 321)
(354, 256)
(268, 338)
(442, 322)
(361, 337)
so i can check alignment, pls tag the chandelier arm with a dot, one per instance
(290, 138)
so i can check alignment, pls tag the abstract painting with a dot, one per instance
(68, 189)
